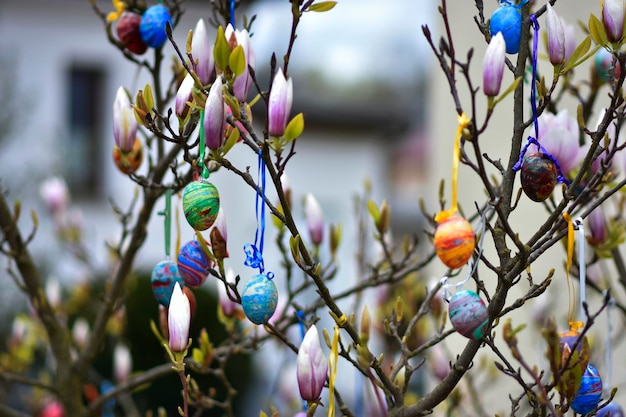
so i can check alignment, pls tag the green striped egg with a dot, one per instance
(201, 202)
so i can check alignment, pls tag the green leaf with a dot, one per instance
(230, 142)
(509, 90)
(374, 212)
(294, 128)
(578, 56)
(294, 245)
(322, 6)
(596, 28)
(221, 51)
(237, 61)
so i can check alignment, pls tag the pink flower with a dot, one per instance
(124, 122)
(122, 362)
(613, 19)
(314, 219)
(596, 222)
(52, 409)
(183, 96)
(279, 106)
(202, 53)
(243, 82)
(80, 332)
(556, 36)
(311, 366)
(215, 116)
(559, 135)
(178, 320)
(493, 65)
(55, 194)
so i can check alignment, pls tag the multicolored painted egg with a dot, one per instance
(538, 176)
(454, 241)
(612, 409)
(603, 66)
(259, 299)
(567, 341)
(193, 263)
(152, 26)
(507, 19)
(128, 33)
(468, 314)
(589, 393)
(164, 277)
(201, 203)
(129, 162)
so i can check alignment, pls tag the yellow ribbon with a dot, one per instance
(464, 123)
(119, 9)
(332, 362)
(571, 291)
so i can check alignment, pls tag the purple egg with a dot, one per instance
(589, 393)
(193, 263)
(164, 277)
(468, 314)
(612, 409)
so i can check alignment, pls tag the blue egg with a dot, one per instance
(259, 298)
(152, 26)
(193, 263)
(508, 20)
(612, 409)
(589, 393)
(164, 277)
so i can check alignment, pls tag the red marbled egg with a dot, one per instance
(538, 176)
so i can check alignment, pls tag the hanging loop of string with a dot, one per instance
(167, 221)
(472, 265)
(608, 366)
(574, 225)
(254, 252)
(582, 270)
(204, 169)
(533, 104)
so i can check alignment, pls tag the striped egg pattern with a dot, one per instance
(259, 299)
(164, 277)
(193, 263)
(201, 203)
(468, 314)
(454, 241)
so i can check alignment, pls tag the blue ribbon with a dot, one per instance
(254, 252)
(232, 13)
(533, 104)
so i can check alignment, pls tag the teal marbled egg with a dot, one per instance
(164, 277)
(468, 314)
(259, 298)
(201, 203)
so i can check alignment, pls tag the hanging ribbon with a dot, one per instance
(571, 309)
(608, 380)
(582, 271)
(332, 362)
(232, 13)
(464, 122)
(205, 170)
(167, 221)
(254, 252)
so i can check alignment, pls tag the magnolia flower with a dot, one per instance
(559, 135)
(597, 226)
(202, 53)
(613, 19)
(215, 116)
(219, 236)
(178, 320)
(311, 366)
(183, 96)
(80, 332)
(314, 219)
(493, 65)
(243, 82)
(279, 106)
(53, 292)
(556, 37)
(124, 122)
(122, 362)
(55, 194)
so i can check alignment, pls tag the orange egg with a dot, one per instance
(454, 241)
(129, 162)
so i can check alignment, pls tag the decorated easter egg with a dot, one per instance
(538, 176)
(603, 66)
(612, 409)
(507, 19)
(201, 203)
(454, 241)
(468, 314)
(259, 298)
(128, 162)
(589, 393)
(193, 263)
(128, 33)
(152, 26)
(164, 277)
(567, 341)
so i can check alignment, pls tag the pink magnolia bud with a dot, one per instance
(122, 362)
(242, 83)
(219, 236)
(556, 36)
(597, 225)
(215, 116)
(178, 320)
(279, 106)
(80, 332)
(613, 19)
(52, 409)
(183, 96)
(53, 292)
(493, 65)
(124, 122)
(311, 366)
(314, 219)
(559, 135)
(55, 194)
(202, 53)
